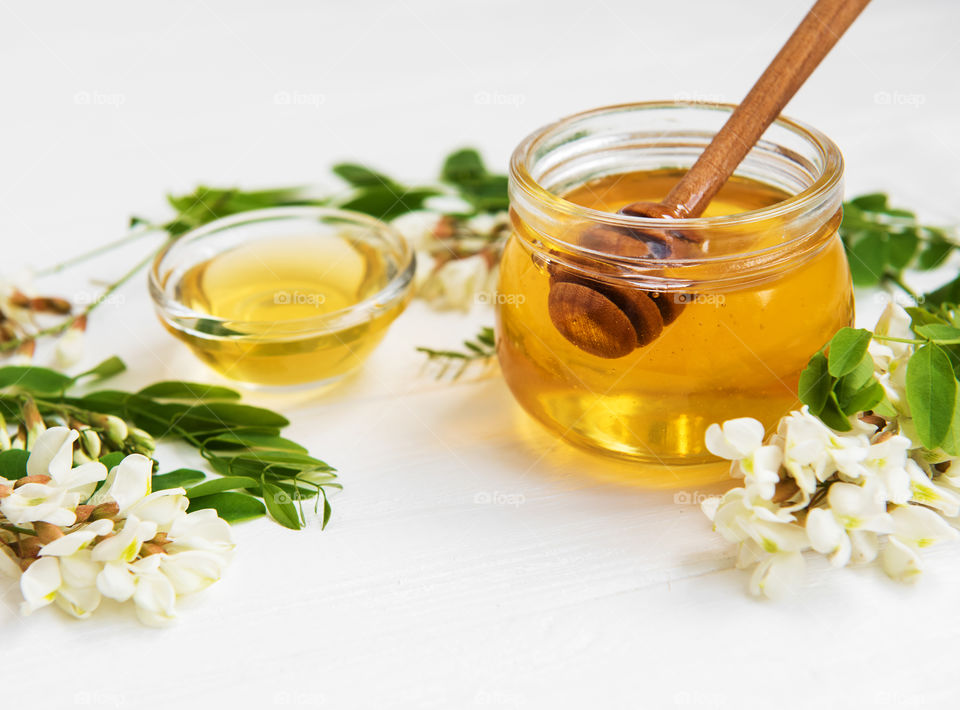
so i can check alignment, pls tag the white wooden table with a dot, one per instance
(472, 561)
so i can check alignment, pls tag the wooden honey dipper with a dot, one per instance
(611, 321)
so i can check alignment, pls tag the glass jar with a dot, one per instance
(756, 295)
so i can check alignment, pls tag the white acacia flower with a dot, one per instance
(740, 518)
(776, 575)
(65, 573)
(127, 483)
(457, 283)
(741, 441)
(418, 229)
(850, 508)
(164, 508)
(70, 348)
(155, 594)
(923, 490)
(805, 441)
(201, 530)
(894, 322)
(117, 578)
(915, 527)
(53, 502)
(735, 438)
(886, 462)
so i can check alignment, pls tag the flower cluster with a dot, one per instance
(853, 496)
(456, 258)
(76, 534)
(25, 315)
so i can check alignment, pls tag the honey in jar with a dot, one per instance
(764, 285)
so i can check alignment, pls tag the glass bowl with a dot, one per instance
(284, 298)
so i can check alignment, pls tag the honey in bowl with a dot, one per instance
(284, 299)
(764, 285)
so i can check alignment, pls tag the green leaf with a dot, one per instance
(36, 380)
(948, 293)
(361, 176)
(863, 400)
(847, 349)
(387, 202)
(903, 247)
(232, 507)
(934, 254)
(922, 316)
(868, 258)
(108, 368)
(175, 389)
(254, 442)
(872, 202)
(112, 459)
(943, 334)
(832, 416)
(13, 464)
(951, 442)
(815, 383)
(230, 414)
(218, 485)
(931, 392)
(178, 478)
(280, 506)
(463, 167)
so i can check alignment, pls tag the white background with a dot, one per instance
(571, 589)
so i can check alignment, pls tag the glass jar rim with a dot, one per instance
(824, 184)
(394, 289)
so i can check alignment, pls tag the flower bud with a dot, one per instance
(50, 304)
(36, 478)
(47, 532)
(80, 457)
(90, 443)
(56, 420)
(141, 442)
(30, 546)
(33, 421)
(114, 428)
(4, 435)
(83, 512)
(105, 510)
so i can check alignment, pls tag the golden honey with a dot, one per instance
(767, 288)
(286, 309)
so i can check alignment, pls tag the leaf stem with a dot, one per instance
(69, 322)
(132, 236)
(15, 529)
(911, 341)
